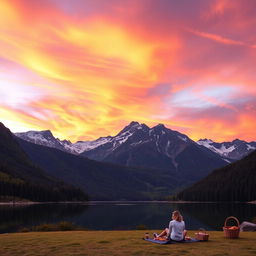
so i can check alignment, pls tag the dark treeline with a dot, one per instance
(14, 188)
(40, 193)
(235, 182)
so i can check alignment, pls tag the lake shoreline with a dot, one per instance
(124, 215)
(23, 203)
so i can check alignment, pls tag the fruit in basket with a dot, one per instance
(233, 228)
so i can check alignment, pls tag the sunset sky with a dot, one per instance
(86, 68)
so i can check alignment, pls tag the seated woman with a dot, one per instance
(176, 230)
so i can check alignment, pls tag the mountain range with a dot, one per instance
(139, 163)
(229, 151)
(137, 145)
(45, 138)
(157, 147)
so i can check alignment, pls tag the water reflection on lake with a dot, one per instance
(108, 216)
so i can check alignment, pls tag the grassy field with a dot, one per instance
(74, 243)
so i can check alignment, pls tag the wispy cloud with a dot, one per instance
(84, 69)
(219, 39)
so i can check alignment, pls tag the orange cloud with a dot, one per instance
(93, 71)
(92, 66)
(226, 131)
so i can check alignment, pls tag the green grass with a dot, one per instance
(81, 243)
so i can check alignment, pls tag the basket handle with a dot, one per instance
(231, 217)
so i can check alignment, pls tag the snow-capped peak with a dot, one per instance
(81, 146)
(37, 136)
(221, 149)
(233, 150)
(165, 140)
(204, 141)
(132, 127)
(45, 138)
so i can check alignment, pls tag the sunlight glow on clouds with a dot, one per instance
(84, 69)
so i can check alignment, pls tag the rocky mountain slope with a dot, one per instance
(234, 150)
(138, 145)
(157, 147)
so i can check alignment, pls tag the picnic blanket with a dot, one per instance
(247, 226)
(192, 240)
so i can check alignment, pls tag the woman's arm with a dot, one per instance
(170, 230)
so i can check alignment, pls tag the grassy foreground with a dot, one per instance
(74, 243)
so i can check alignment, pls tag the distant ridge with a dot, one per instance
(233, 150)
(230, 151)
(137, 145)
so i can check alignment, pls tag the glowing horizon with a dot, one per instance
(85, 69)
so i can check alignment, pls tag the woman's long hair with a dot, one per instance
(177, 216)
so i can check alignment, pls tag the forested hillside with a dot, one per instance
(20, 178)
(235, 182)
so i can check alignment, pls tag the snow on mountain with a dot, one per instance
(222, 150)
(138, 145)
(235, 150)
(158, 139)
(82, 146)
(165, 141)
(183, 138)
(205, 142)
(37, 137)
(249, 147)
(157, 148)
(45, 138)
(119, 139)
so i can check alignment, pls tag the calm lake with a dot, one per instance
(123, 215)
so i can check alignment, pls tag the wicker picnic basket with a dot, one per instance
(202, 235)
(231, 231)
